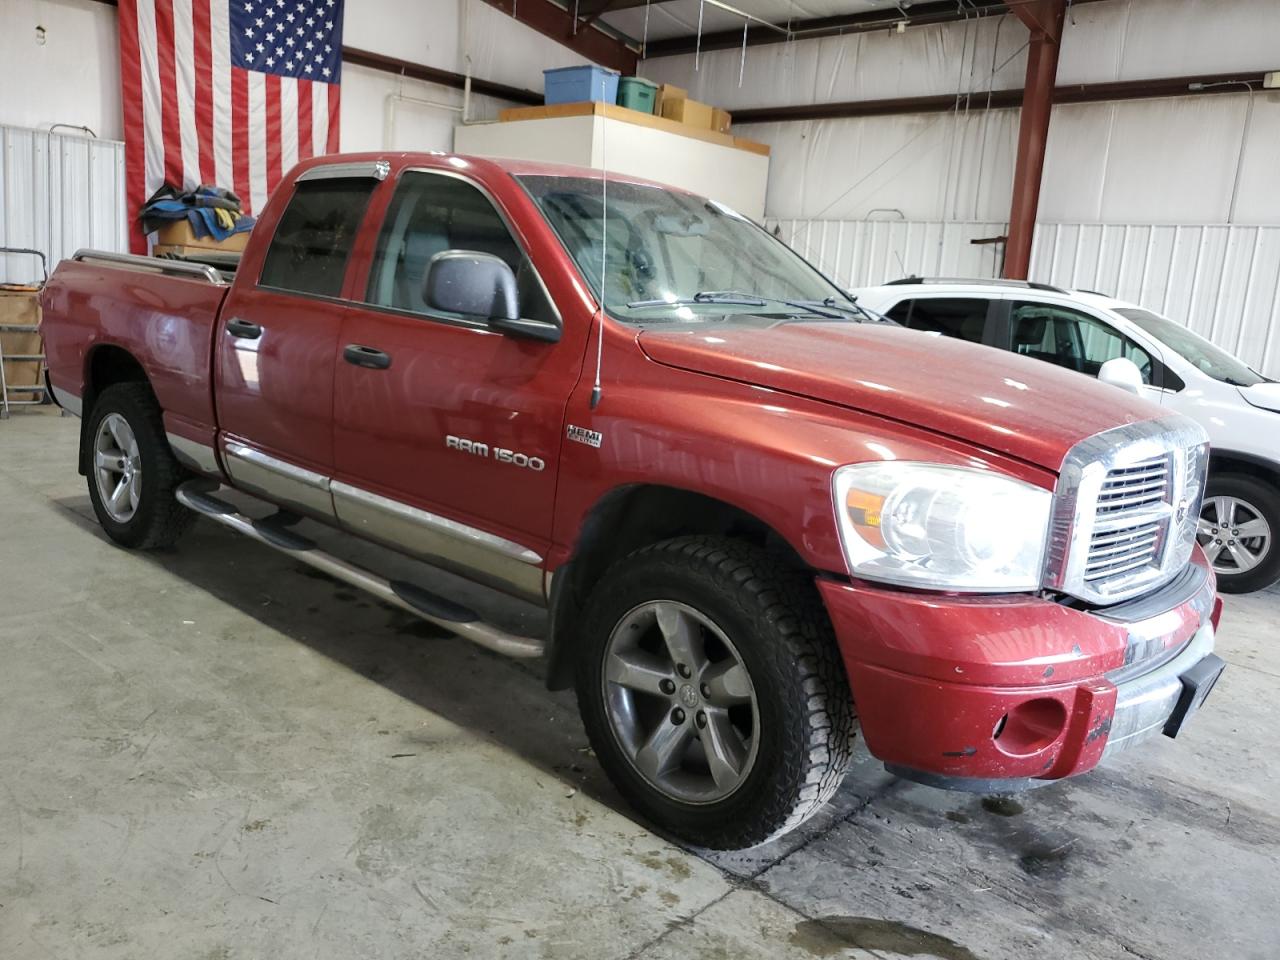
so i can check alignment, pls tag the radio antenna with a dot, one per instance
(604, 256)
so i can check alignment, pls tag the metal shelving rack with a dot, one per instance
(39, 392)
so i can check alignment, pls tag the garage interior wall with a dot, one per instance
(70, 74)
(1136, 198)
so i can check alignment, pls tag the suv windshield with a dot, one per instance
(675, 257)
(1195, 349)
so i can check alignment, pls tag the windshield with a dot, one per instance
(676, 257)
(1195, 349)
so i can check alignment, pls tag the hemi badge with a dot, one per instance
(583, 435)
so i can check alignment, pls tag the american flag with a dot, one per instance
(226, 92)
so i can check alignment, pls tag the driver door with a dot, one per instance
(446, 433)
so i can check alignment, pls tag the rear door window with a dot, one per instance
(309, 251)
(964, 318)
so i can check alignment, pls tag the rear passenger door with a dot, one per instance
(964, 318)
(276, 350)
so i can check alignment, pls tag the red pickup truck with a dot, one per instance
(761, 519)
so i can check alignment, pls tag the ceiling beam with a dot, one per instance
(999, 99)
(554, 21)
(918, 14)
(445, 78)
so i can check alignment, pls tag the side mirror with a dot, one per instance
(477, 284)
(471, 283)
(1123, 373)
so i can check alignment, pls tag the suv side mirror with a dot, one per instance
(477, 284)
(1123, 373)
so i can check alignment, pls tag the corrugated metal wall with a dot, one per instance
(1222, 281)
(58, 193)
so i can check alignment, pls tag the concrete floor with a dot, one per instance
(208, 754)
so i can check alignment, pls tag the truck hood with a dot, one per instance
(1014, 405)
(1264, 395)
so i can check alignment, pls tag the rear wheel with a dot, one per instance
(132, 470)
(1239, 524)
(712, 691)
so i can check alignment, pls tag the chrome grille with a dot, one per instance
(1125, 510)
(1131, 520)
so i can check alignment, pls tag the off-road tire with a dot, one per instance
(1265, 498)
(159, 519)
(775, 618)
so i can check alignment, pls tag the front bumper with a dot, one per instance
(1007, 693)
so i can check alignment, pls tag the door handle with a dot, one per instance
(362, 356)
(243, 329)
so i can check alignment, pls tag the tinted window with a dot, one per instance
(962, 319)
(430, 214)
(1072, 339)
(1202, 354)
(309, 252)
(900, 312)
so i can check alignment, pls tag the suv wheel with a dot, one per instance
(132, 471)
(1239, 524)
(713, 692)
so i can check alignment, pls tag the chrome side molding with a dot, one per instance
(68, 401)
(198, 495)
(193, 454)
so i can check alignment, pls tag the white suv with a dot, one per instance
(1081, 331)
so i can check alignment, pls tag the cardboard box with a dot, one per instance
(669, 93)
(721, 120)
(689, 112)
(179, 234)
(20, 308)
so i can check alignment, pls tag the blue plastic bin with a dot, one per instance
(579, 84)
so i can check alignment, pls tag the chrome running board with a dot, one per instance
(198, 495)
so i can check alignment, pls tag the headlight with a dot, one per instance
(941, 528)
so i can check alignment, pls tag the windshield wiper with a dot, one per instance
(736, 299)
(856, 309)
(704, 296)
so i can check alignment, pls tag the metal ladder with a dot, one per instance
(40, 390)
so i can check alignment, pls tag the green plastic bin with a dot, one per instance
(636, 93)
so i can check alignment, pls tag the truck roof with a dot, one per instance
(457, 161)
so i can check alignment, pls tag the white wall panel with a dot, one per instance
(860, 253)
(58, 194)
(1222, 281)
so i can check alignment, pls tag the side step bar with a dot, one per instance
(198, 495)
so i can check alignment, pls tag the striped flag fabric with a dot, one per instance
(226, 92)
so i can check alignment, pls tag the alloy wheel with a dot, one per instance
(1234, 534)
(117, 468)
(680, 702)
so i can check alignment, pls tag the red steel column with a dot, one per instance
(1044, 19)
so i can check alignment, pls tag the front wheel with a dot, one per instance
(713, 692)
(132, 470)
(1239, 523)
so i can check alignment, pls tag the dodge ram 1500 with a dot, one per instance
(760, 518)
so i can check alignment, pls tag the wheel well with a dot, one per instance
(623, 521)
(1229, 462)
(106, 366)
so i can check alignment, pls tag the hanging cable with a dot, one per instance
(742, 66)
(986, 118)
(644, 39)
(697, 50)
